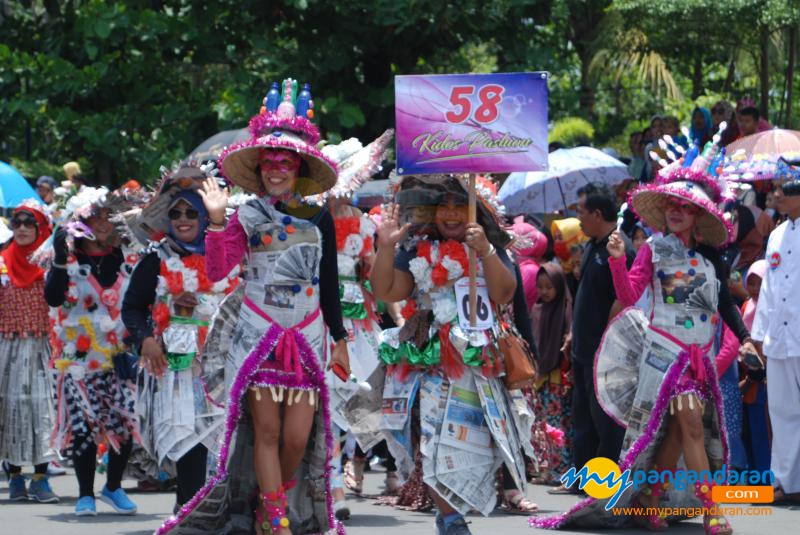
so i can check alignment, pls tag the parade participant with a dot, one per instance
(551, 319)
(678, 398)
(433, 355)
(95, 402)
(271, 333)
(178, 420)
(774, 324)
(26, 406)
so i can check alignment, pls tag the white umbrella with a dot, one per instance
(542, 192)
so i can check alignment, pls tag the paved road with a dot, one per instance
(57, 519)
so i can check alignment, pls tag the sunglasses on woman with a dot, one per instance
(190, 213)
(19, 222)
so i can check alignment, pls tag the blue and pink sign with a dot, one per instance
(471, 123)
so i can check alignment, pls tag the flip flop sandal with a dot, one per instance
(518, 504)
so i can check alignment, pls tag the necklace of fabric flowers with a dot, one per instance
(179, 275)
(439, 264)
(354, 235)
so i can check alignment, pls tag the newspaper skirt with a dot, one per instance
(658, 370)
(175, 414)
(468, 428)
(245, 344)
(354, 408)
(26, 400)
(97, 406)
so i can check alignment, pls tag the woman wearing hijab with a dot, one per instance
(529, 256)
(551, 321)
(26, 399)
(701, 130)
(166, 310)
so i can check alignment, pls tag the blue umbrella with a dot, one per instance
(14, 188)
(544, 192)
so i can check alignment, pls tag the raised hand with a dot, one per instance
(390, 233)
(215, 199)
(616, 247)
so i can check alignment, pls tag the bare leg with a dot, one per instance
(444, 507)
(666, 457)
(694, 450)
(267, 428)
(297, 421)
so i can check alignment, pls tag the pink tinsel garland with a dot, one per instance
(249, 368)
(264, 123)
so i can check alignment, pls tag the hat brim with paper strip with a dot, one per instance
(269, 131)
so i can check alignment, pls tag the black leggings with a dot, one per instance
(37, 468)
(381, 450)
(86, 464)
(191, 470)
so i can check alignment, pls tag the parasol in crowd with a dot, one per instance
(14, 188)
(543, 192)
(210, 149)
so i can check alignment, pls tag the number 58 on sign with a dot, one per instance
(471, 123)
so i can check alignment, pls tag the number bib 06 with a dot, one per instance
(485, 316)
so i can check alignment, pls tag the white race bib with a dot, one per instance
(485, 317)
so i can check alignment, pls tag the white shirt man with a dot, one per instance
(777, 325)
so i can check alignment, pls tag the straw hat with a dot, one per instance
(281, 127)
(648, 202)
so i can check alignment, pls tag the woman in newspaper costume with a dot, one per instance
(466, 417)
(26, 389)
(274, 463)
(657, 376)
(94, 392)
(167, 310)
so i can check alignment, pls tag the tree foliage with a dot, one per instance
(128, 86)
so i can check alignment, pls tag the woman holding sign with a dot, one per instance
(464, 414)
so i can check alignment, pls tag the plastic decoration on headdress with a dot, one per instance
(694, 177)
(85, 203)
(356, 164)
(282, 124)
(788, 172)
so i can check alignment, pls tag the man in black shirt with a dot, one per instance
(595, 433)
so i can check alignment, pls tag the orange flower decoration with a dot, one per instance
(344, 227)
(439, 275)
(409, 310)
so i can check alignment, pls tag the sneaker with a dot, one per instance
(85, 507)
(55, 469)
(40, 491)
(457, 527)
(119, 501)
(16, 489)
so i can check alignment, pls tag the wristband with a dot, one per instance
(490, 252)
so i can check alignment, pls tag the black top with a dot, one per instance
(727, 307)
(594, 299)
(139, 298)
(104, 268)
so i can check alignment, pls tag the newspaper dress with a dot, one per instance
(642, 365)
(91, 400)
(444, 381)
(175, 412)
(269, 333)
(354, 409)
(26, 386)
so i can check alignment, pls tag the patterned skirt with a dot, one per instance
(551, 435)
(98, 407)
(26, 400)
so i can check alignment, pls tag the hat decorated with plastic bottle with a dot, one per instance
(284, 123)
(691, 175)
